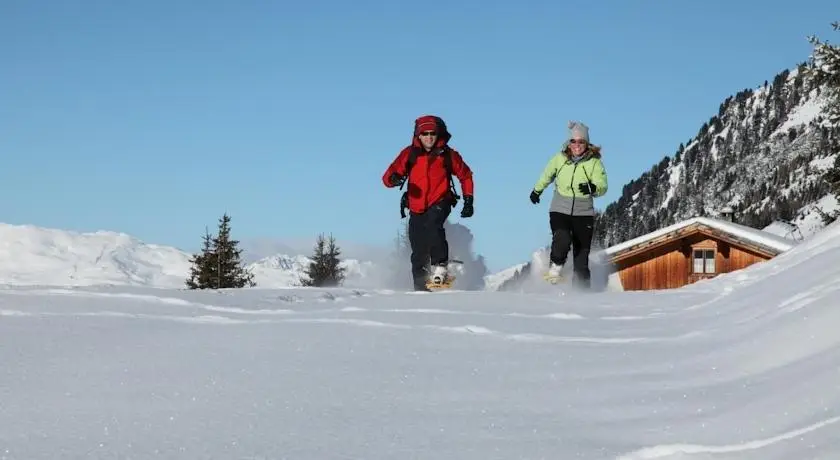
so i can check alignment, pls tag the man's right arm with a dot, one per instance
(396, 170)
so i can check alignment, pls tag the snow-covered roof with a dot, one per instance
(755, 236)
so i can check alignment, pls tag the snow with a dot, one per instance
(809, 220)
(674, 176)
(823, 163)
(495, 280)
(714, 151)
(784, 229)
(746, 366)
(691, 145)
(753, 235)
(31, 255)
(804, 113)
(282, 270)
(724, 132)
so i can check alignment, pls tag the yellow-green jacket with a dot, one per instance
(567, 175)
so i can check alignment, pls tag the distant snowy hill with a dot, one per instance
(283, 271)
(31, 255)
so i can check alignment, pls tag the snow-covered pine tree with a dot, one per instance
(825, 64)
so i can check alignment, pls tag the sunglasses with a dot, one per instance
(428, 133)
(577, 141)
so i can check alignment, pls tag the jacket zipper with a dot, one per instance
(428, 182)
(571, 186)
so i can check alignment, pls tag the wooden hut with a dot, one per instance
(689, 251)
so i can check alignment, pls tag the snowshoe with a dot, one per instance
(442, 279)
(553, 279)
(439, 284)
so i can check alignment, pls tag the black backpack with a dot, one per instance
(447, 164)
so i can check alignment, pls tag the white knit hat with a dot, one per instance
(578, 130)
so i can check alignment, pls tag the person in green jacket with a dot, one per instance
(579, 176)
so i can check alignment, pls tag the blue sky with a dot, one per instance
(154, 118)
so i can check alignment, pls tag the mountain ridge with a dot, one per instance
(777, 133)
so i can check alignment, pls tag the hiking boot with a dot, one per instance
(439, 274)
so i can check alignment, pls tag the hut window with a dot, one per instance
(704, 261)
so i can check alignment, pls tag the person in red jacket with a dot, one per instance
(428, 165)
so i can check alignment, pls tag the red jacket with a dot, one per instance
(428, 182)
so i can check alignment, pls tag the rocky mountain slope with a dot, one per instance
(763, 154)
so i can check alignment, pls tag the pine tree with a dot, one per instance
(333, 263)
(316, 272)
(201, 274)
(231, 272)
(825, 65)
(325, 268)
(832, 177)
(219, 265)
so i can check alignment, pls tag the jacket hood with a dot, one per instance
(443, 132)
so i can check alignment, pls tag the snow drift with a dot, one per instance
(744, 366)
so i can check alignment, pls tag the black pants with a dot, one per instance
(428, 240)
(573, 232)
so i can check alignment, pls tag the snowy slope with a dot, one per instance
(744, 366)
(784, 229)
(31, 255)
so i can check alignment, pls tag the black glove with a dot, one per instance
(396, 180)
(587, 188)
(535, 197)
(467, 210)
